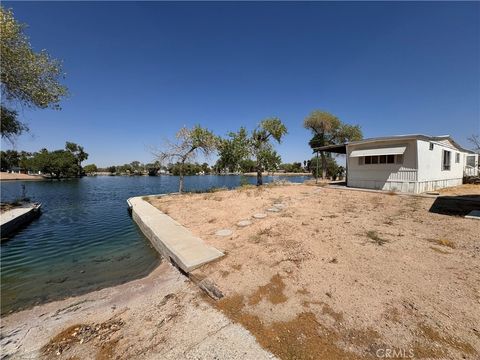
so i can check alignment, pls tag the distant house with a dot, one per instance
(406, 163)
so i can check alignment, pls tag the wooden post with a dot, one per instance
(316, 171)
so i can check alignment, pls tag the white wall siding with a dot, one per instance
(421, 171)
(430, 162)
(379, 176)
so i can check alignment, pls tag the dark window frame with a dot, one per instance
(446, 160)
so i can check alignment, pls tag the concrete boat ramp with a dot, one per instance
(175, 242)
(15, 218)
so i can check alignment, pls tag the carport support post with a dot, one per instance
(316, 171)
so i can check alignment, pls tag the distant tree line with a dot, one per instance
(62, 163)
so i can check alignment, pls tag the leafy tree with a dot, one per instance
(189, 143)
(332, 170)
(27, 78)
(153, 168)
(90, 169)
(295, 167)
(234, 150)
(112, 169)
(79, 154)
(327, 129)
(255, 151)
(264, 155)
(9, 159)
(205, 168)
(247, 165)
(58, 163)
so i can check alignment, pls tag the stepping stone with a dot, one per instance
(273, 209)
(279, 206)
(244, 223)
(260, 216)
(224, 232)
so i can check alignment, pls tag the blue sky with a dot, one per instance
(137, 72)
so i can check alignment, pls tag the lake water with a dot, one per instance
(85, 239)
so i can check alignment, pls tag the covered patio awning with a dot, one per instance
(398, 150)
(339, 149)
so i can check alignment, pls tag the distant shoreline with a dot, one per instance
(277, 174)
(4, 176)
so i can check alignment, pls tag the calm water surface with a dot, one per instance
(84, 239)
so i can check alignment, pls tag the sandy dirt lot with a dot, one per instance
(340, 274)
(4, 176)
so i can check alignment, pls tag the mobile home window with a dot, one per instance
(390, 159)
(445, 160)
(431, 146)
(368, 160)
(383, 159)
(457, 158)
(471, 160)
(374, 159)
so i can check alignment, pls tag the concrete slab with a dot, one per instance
(474, 214)
(12, 214)
(172, 240)
(13, 219)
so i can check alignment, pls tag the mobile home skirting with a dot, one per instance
(415, 187)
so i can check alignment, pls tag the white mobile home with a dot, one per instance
(407, 163)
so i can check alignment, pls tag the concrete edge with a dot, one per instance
(174, 255)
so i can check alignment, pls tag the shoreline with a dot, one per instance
(161, 315)
(4, 176)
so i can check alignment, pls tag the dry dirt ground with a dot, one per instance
(341, 274)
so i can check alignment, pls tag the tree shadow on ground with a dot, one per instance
(459, 205)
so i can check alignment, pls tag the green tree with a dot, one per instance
(233, 150)
(263, 153)
(189, 143)
(79, 154)
(327, 129)
(241, 151)
(28, 78)
(58, 164)
(332, 170)
(247, 165)
(90, 169)
(153, 168)
(9, 159)
(112, 169)
(205, 168)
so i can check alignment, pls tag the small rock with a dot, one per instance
(260, 216)
(279, 206)
(273, 209)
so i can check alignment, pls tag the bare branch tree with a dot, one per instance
(475, 140)
(189, 143)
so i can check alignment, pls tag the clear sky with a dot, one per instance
(138, 71)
